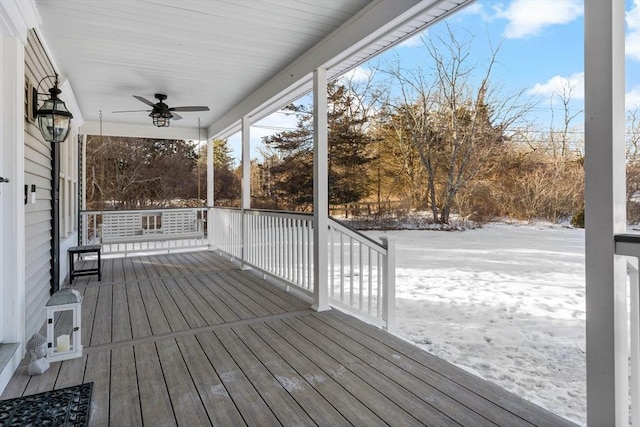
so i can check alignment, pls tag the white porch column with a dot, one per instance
(606, 324)
(210, 186)
(320, 191)
(246, 182)
(12, 225)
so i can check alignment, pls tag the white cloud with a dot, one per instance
(572, 86)
(632, 38)
(529, 17)
(358, 74)
(632, 98)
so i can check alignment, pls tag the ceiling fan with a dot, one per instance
(161, 113)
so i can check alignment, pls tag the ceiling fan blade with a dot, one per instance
(190, 108)
(175, 116)
(132, 111)
(144, 100)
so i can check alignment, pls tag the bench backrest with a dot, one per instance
(121, 224)
(179, 222)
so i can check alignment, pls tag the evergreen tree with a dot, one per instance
(290, 155)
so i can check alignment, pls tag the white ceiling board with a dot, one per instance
(231, 55)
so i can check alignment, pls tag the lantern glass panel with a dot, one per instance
(63, 328)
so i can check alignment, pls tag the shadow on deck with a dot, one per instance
(190, 339)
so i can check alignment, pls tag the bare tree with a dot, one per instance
(562, 137)
(455, 116)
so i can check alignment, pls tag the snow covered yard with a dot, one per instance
(505, 302)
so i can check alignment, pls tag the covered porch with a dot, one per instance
(280, 359)
(192, 339)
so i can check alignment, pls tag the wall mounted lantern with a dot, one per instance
(54, 120)
(63, 325)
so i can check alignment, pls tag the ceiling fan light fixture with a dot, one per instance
(160, 118)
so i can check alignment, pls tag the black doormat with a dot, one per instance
(68, 407)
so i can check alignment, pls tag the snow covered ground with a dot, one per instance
(505, 302)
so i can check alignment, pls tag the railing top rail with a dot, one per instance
(283, 214)
(99, 211)
(357, 235)
(627, 238)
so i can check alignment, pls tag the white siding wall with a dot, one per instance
(37, 166)
(37, 170)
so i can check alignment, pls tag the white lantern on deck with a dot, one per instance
(63, 325)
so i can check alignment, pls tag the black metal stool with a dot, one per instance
(88, 249)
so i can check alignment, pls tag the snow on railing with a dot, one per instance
(361, 272)
(629, 245)
(144, 230)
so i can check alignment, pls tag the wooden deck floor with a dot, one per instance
(189, 339)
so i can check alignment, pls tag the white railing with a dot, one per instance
(227, 231)
(281, 243)
(144, 230)
(628, 245)
(361, 272)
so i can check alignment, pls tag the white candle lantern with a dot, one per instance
(63, 325)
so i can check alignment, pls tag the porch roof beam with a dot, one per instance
(383, 18)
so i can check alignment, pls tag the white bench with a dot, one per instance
(145, 226)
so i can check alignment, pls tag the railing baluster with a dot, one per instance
(332, 261)
(351, 272)
(370, 283)
(360, 278)
(341, 267)
(634, 330)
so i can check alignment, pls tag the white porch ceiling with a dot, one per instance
(238, 57)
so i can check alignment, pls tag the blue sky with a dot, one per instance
(541, 51)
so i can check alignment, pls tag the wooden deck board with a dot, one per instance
(220, 407)
(312, 402)
(252, 299)
(157, 319)
(44, 382)
(89, 301)
(139, 321)
(222, 310)
(191, 339)
(176, 290)
(121, 321)
(200, 305)
(102, 319)
(154, 397)
(371, 365)
(124, 397)
(344, 402)
(71, 372)
(253, 408)
(173, 314)
(284, 407)
(387, 399)
(186, 402)
(483, 407)
(98, 371)
(524, 409)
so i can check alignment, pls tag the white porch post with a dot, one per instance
(606, 324)
(246, 183)
(210, 186)
(12, 225)
(320, 191)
